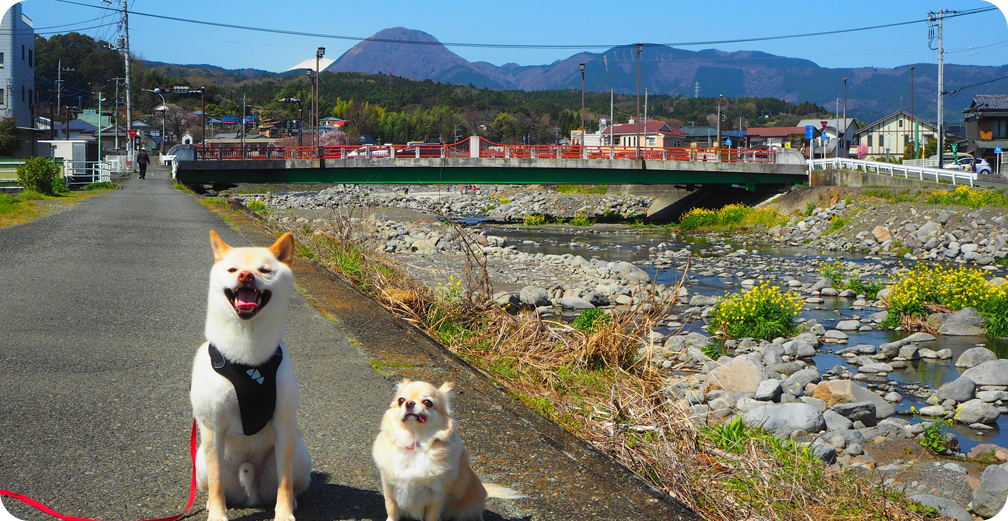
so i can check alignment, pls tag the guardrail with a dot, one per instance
(909, 172)
(487, 149)
(86, 172)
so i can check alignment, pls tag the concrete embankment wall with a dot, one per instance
(857, 179)
(670, 203)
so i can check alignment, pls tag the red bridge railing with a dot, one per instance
(487, 149)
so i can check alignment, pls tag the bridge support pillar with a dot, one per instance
(474, 147)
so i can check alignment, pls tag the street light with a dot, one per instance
(164, 112)
(319, 53)
(640, 46)
(846, 151)
(912, 125)
(300, 130)
(581, 65)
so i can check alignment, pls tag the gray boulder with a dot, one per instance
(857, 411)
(994, 372)
(784, 418)
(966, 322)
(597, 299)
(961, 389)
(534, 296)
(920, 337)
(742, 375)
(768, 390)
(990, 495)
(946, 507)
(809, 375)
(836, 422)
(572, 302)
(702, 300)
(975, 356)
(976, 411)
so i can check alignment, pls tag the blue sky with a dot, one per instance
(979, 39)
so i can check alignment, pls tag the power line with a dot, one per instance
(521, 46)
(955, 92)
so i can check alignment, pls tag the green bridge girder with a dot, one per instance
(451, 171)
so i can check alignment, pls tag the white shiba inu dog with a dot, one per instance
(424, 465)
(244, 395)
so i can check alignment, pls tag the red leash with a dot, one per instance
(192, 492)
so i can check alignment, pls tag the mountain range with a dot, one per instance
(871, 92)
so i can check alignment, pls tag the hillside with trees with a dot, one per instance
(386, 107)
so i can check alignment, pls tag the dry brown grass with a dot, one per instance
(593, 384)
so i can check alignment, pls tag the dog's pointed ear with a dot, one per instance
(403, 383)
(283, 248)
(220, 248)
(446, 390)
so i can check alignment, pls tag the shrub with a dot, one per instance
(763, 312)
(731, 216)
(41, 175)
(536, 219)
(581, 220)
(834, 271)
(257, 206)
(589, 318)
(956, 288)
(966, 196)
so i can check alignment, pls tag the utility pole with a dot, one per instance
(720, 97)
(933, 19)
(59, 91)
(639, 46)
(126, 55)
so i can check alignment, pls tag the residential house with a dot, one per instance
(699, 137)
(839, 133)
(987, 126)
(776, 137)
(654, 134)
(894, 134)
(17, 66)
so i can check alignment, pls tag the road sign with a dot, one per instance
(132, 133)
(824, 122)
(809, 129)
(88, 112)
(997, 149)
(727, 142)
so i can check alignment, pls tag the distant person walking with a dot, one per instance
(143, 160)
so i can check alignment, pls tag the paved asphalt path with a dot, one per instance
(103, 307)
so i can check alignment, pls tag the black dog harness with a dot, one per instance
(254, 385)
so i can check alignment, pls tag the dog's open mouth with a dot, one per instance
(247, 301)
(420, 417)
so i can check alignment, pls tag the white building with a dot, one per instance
(17, 66)
(894, 134)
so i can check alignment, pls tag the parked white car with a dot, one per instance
(982, 167)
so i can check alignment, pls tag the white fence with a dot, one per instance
(910, 172)
(84, 172)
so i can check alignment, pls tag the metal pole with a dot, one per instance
(913, 124)
(846, 126)
(129, 104)
(637, 121)
(941, 88)
(202, 96)
(720, 97)
(99, 125)
(582, 66)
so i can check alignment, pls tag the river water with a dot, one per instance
(633, 247)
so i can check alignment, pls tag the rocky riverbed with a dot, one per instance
(824, 388)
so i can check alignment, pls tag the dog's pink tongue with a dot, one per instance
(246, 299)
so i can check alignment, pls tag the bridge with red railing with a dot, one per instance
(476, 160)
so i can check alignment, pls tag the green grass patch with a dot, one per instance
(891, 194)
(590, 319)
(104, 185)
(582, 189)
(257, 206)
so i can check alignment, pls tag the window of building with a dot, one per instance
(881, 140)
(31, 58)
(3, 100)
(22, 92)
(869, 140)
(1, 60)
(999, 129)
(901, 123)
(31, 96)
(22, 52)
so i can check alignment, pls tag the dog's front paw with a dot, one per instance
(284, 517)
(217, 516)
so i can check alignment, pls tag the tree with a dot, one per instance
(10, 140)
